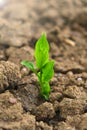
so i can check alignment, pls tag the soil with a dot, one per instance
(21, 24)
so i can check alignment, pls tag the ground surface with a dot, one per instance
(21, 23)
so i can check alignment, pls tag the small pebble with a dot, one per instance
(12, 100)
(79, 79)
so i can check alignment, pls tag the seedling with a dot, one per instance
(44, 67)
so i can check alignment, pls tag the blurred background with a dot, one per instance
(23, 19)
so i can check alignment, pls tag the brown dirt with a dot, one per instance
(21, 24)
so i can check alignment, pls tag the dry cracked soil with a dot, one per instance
(21, 24)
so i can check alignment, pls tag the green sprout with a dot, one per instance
(44, 67)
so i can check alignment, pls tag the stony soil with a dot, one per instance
(21, 24)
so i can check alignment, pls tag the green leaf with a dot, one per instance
(41, 51)
(29, 65)
(47, 71)
(45, 90)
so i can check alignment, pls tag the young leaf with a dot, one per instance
(29, 65)
(44, 68)
(47, 71)
(45, 90)
(41, 51)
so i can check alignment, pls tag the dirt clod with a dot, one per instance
(41, 125)
(9, 75)
(83, 123)
(55, 96)
(70, 107)
(64, 126)
(45, 111)
(11, 114)
(75, 92)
